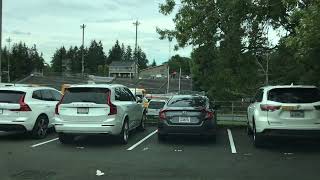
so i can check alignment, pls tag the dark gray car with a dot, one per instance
(187, 114)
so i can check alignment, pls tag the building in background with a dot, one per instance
(155, 72)
(122, 69)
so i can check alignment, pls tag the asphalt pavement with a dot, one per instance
(231, 157)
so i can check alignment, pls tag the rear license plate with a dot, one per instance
(184, 119)
(82, 110)
(297, 114)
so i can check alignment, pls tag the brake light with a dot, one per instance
(162, 114)
(317, 107)
(23, 105)
(56, 111)
(113, 108)
(209, 115)
(271, 108)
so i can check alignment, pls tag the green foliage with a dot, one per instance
(176, 62)
(153, 63)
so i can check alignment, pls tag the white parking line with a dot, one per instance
(233, 147)
(141, 141)
(39, 144)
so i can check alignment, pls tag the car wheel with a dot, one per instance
(142, 123)
(161, 137)
(65, 138)
(249, 130)
(257, 138)
(124, 135)
(40, 128)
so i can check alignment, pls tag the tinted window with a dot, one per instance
(10, 96)
(294, 95)
(156, 105)
(56, 95)
(122, 95)
(94, 95)
(187, 102)
(46, 95)
(37, 95)
(131, 96)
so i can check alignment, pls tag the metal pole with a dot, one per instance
(0, 40)
(168, 84)
(82, 53)
(8, 72)
(180, 81)
(136, 63)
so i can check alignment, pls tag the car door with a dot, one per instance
(137, 108)
(124, 100)
(50, 103)
(254, 104)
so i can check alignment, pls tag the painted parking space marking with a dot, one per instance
(232, 146)
(42, 143)
(142, 140)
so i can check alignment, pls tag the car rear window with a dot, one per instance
(10, 96)
(93, 95)
(294, 95)
(187, 102)
(156, 105)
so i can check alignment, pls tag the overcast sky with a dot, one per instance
(52, 23)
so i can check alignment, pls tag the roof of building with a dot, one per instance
(149, 68)
(122, 63)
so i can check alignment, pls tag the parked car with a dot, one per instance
(154, 107)
(98, 109)
(284, 111)
(28, 109)
(187, 114)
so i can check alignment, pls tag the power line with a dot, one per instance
(82, 53)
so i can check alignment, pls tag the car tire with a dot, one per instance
(40, 128)
(249, 130)
(124, 135)
(258, 139)
(142, 123)
(161, 137)
(66, 138)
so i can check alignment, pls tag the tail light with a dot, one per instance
(271, 108)
(23, 105)
(209, 115)
(113, 108)
(317, 107)
(56, 111)
(162, 114)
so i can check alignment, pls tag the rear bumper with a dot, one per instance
(291, 133)
(17, 124)
(87, 128)
(12, 127)
(206, 128)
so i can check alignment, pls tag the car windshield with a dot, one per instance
(156, 105)
(10, 96)
(294, 95)
(91, 95)
(187, 102)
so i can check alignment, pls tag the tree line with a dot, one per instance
(96, 61)
(23, 61)
(232, 52)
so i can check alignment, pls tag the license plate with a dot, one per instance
(297, 114)
(184, 119)
(83, 110)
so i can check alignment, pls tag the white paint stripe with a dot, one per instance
(233, 147)
(141, 141)
(39, 144)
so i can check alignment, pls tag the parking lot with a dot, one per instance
(144, 157)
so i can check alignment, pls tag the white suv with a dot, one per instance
(27, 108)
(98, 109)
(284, 111)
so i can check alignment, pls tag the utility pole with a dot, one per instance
(180, 81)
(168, 84)
(8, 72)
(136, 68)
(0, 39)
(82, 53)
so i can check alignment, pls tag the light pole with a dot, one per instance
(136, 63)
(0, 39)
(8, 72)
(82, 55)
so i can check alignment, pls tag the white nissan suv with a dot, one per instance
(28, 109)
(284, 111)
(98, 109)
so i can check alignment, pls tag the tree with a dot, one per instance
(154, 64)
(57, 60)
(95, 57)
(176, 62)
(141, 58)
(115, 54)
(128, 54)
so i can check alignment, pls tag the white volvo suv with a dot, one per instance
(98, 109)
(28, 109)
(284, 111)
